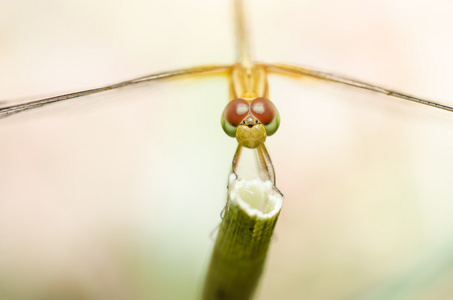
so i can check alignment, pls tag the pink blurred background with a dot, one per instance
(115, 196)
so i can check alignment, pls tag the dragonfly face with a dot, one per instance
(250, 121)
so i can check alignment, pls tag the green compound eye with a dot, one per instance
(227, 127)
(272, 127)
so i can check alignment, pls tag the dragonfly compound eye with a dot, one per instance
(233, 114)
(266, 112)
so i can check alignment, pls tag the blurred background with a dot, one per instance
(115, 196)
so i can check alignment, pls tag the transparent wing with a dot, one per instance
(300, 71)
(14, 109)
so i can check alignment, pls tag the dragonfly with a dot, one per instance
(271, 68)
(249, 116)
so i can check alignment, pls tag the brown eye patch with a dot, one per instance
(235, 111)
(264, 110)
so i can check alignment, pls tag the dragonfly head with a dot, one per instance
(250, 121)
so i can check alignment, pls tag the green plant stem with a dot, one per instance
(239, 252)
